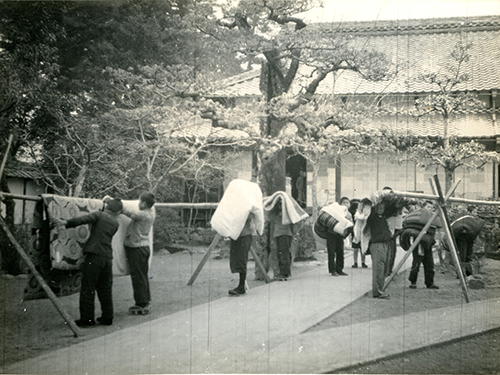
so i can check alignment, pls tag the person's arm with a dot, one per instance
(80, 220)
(135, 214)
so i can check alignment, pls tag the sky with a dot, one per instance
(365, 10)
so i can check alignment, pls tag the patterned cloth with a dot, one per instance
(66, 243)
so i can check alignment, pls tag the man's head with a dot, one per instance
(472, 210)
(380, 208)
(344, 201)
(428, 205)
(114, 205)
(146, 200)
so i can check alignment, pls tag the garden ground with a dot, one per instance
(32, 328)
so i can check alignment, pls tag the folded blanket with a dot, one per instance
(408, 235)
(240, 199)
(468, 225)
(291, 212)
(333, 219)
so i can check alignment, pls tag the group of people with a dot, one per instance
(375, 229)
(97, 272)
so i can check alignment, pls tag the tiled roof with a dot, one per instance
(202, 129)
(244, 84)
(19, 169)
(464, 126)
(422, 46)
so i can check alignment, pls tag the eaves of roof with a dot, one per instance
(17, 169)
(202, 130)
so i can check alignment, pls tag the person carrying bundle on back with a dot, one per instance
(238, 216)
(422, 254)
(334, 223)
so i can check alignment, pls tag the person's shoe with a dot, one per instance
(355, 265)
(334, 274)
(383, 296)
(139, 310)
(342, 273)
(104, 321)
(280, 278)
(85, 322)
(413, 286)
(237, 291)
(433, 286)
(364, 265)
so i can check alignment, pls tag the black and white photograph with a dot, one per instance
(249, 187)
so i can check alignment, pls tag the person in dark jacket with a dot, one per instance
(380, 245)
(97, 267)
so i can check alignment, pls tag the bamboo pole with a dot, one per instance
(40, 279)
(451, 199)
(436, 187)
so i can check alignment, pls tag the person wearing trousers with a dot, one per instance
(238, 255)
(335, 245)
(422, 254)
(137, 251)
(380, 245)
(97, 267)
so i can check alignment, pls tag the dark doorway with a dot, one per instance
(295, 164)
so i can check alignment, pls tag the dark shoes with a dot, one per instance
(413, 286)
(364, 265)
(104, 321)
(236, 291)
(355, 265)
(85, 323)
(340, 273)
(433, 286)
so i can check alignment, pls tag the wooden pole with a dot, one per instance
(259, 264)
(451, 199)
(447, 228)
(40, 279)
(212, 246)
(6, 155)
(214, 243)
